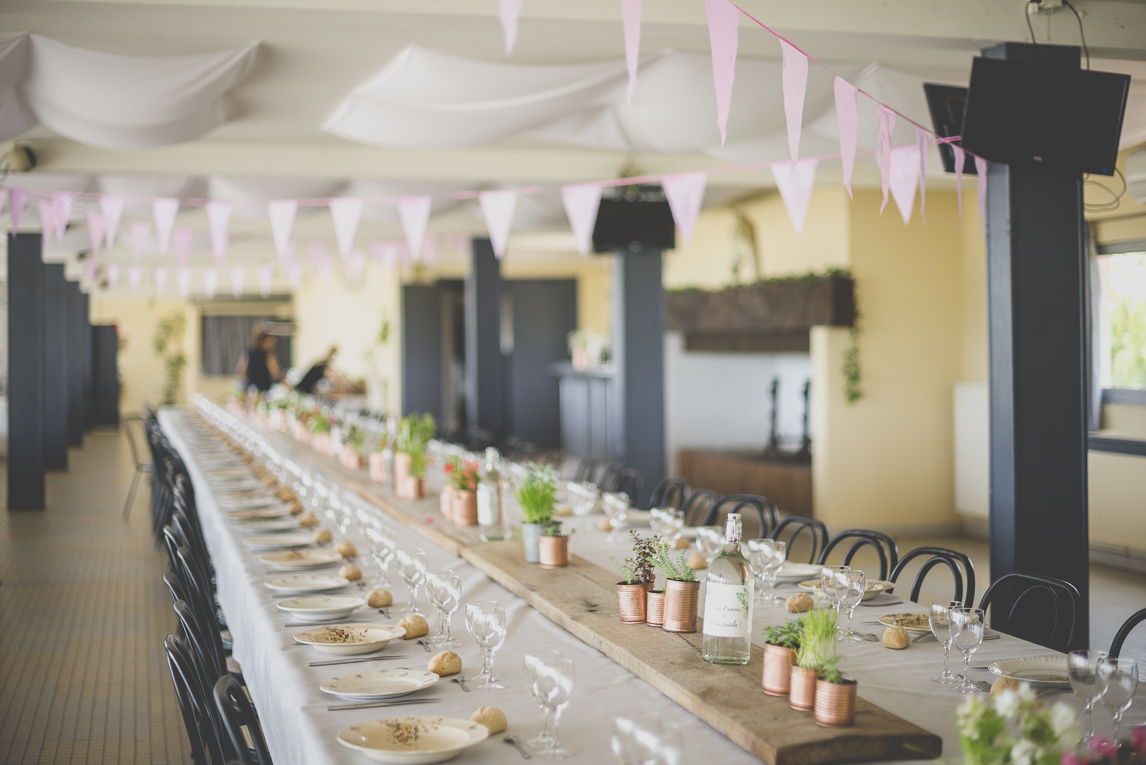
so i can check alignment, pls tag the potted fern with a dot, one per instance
(835, 696)
(816, 646)
(553, 546)
(414, 432)
(781, 642)
(636, 573)
(535, 495)
(681, 588)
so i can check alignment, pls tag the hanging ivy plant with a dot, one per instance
(853, 373)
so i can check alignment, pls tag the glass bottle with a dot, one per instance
(728, 602)
(490, 500)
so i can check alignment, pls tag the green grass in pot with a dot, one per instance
(536, 496)
(819, 639)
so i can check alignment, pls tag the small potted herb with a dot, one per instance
(535, 495)
(447, 495)
(464, 480)
(816, 645)
(781, 642)
(414, 432)
(319, 427)
(636, 574)
(681, 588)
(553, 548)
(835, 696)
(352, 443)
(378, 460)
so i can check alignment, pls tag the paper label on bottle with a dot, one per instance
(728, 609)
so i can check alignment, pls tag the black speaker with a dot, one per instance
(634, 226)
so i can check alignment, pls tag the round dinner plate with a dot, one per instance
(259, 512)
(797, 572)
(321, 608)
(249, 503)
(300, 584)
(299, 559)
(379, 683)
(1044, 670)
(874, 589)
(278, 541)
(350, 639)
(272, 525)
(413, 740)
(917, 621)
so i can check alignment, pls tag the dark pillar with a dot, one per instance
(483, 341)
(85, 355)
(105, 375)
(74, 363)
(421, 349)
(1036, 296)
(55, 367)
(638, 351)
(25, 373)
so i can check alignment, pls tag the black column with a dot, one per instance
(85, 356)
(105, 375)
(74, 364)
(1036, 296)
(25, 373)
(483, 341)
(55, 367)
(638, 351)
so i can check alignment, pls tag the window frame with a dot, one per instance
(1125, 396)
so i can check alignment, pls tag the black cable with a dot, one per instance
(1080, 33)
(1116, 198)
(1027, 11)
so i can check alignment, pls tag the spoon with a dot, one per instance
(461, 681)
(424, 644)
(870, 637)
(512, 739)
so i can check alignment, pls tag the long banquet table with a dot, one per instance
(300, 729)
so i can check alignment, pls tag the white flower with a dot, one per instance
(1063, 719)
(1026, 693)
(1007, 703)
(1023, 752)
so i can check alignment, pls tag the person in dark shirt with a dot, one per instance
(321, 369)
(258, 367)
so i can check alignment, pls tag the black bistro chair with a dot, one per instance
(585, 470)
(940, 556)
(198, 717)
(130, 425)
(1044, 610)
(240, 722)
(627, 480)
(696, 507)
(796, 528)
(883, 545)
(1124, 632)
(765, 510)
(671, 491)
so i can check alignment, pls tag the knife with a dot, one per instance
(377, 704)
(350, 661)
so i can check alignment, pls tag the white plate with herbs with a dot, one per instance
(1044, 670)
(350, 639)
(259, 512)
(273, 525)
(797, 572)
(294, 560)
(303, 584)
(413, 740)
(278, 541)
(874, 589)
(379, 683)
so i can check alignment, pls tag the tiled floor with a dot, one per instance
(83, 614)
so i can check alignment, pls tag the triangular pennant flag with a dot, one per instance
(795, 181)
(160, 276)
(282, 212)
(218, 218)
(47, 220)
(16, 200)
(430, 250)
(847, 115)
(415, 214)
(509, 10)
(883, 149)
(182, 245)
(164, 211)
(184, 279)
(981, 169)
(238, 277)
(3, 197)
(631, 20)
(210, 282)
(684, 193)
(356, 264)
(62, 205)
(317, 254)
(112, 275)
(345, 213)
(581, 202)
(288, 252)
(112, 208)
(904, 177)
(134, 274)
(294, 275)
(95, 231)
(140, 230)
(922, 139)
(92, 268)
(266, 277)
(497, 208)
(723, 20)
(960, 159)
(794, 76)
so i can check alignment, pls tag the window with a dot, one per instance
(1122, 325)
(226, 339)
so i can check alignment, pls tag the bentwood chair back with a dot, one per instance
(761, 507)
(1124, 632)
(671, 491)
(238, 718)
(197, 718)
(208, 643)
(799, 532)
(524, 451)
(696, 507)
(628, 481)
(585, 469)
(479, 440)
(940, 556)
(206, 670)
(555, 459)
(507, 445)
(133, 425)
(883, 545)
(605, 478)
(1043, 609)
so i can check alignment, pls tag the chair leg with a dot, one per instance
(131, 494)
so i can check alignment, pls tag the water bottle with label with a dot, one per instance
(728, 602)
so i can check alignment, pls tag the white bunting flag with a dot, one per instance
(112, 208)
(160, 276)
(883, 150)
(355, 265)
(497, 208)
(62, 206)
(184, 280)
(795, 181)
(345, 212)
(95, 231)
(847, 116)
(266, 275)
(922, 139)
(112, 275)
(960, 160)
(164, 210)
(211, 282)
(685, 192)
(182, 238)
(47, 220)
(981, 169)
(16, 200)
(238, 279)
(140, 230)
(508, 11)
(631, 21)
(904, 178)
(218, 219)
(581, 202)
(723, 22)
(415, 214)
(282, 212)
(134, 275)
(794, 77)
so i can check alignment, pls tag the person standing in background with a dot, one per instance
(258, 367)
(321, 369)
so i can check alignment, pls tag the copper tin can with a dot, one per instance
(415, 488)
(447, 501)
(802, 691)
(465, 512)
(631, 601)
(401, 470)
(835, 704)
(552, 551)
(777, 676)
(680, 605)
(655, 611)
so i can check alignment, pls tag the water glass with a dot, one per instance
(709, 541)
(850, 588)
(485, 620)
(940, 621)
(967, 632)
(1117, 682)
(646, 741)
(828, 578)
(445, 590)
(550, 677)
(1082, 668)
(412, 569)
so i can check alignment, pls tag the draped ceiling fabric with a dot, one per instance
(112, 101)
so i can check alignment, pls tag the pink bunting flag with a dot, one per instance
(211, 282)
(62, 206)
(356, 265)
(415, 214)
(16, 200)
(795, 181)
(164, 210)
(581, 201)
(319, 261)
(91, 269)
(160, 276)
(184, 281)
(981, 169)
(294, 275)
(182, 238)
(266, 276)
(345, 213)
(508, 11)
(112, 275)
(140, 230)
(134, 275)
(685, 192)
(112, 209)
(883, 149)
(847, 115)
(922, 140)
(238, 277)
(218, 218)
(631, 19)
(282, 212)
(95, 231)
(904, 177)
(3, 197)
(794, 76)
(47, 220)
(960, 159)
(497, 208)
(723, 20)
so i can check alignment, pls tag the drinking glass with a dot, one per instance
(709, 541)
(940, 620)
(850, 588)
(618, 511)
(412, 569)
(1117, 682)
(760, 555)
(550, 678)
(967, 631)
(772, 571)
(445, 590)
(1082, 667)
(485, 620)
(828, 578)
(646, 741)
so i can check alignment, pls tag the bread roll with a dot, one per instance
(1004, 684)
(346, 549)
(350, 571)
(605, 524)
(683, 544)
(445, 663)
(896, 637)
(415, 626)
(800, 602)
(696, 561)
(308, 519)
(379, 598)
(286, 495)
(492, 718)
(322, 536)
(296, 508)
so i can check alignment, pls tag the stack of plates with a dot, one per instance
(266, 525)
(798, 572)
(278, 541)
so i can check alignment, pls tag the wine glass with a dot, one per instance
(850, 588)
(967, 631)
(709, 541)
(1117, 682)
(550, 677)
(940, 621)
(828, 578)
(646, 741)
(485, 620)
(412, 569)
(760, 555)
(445, 590)
(1082, 668)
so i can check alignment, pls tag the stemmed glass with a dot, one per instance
(850, 588)
(1082, 668)
(828, 577)
(445, 589)
(384, 548)
(485, 620)
(967, 631)
(767, 557)
(550, 678)
(618, 511)
(647, 741)
(940, 620)
(412, 569)
(1117, 681)
(709, 541)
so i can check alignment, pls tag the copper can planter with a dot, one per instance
(446, 499)
(802, 690)
(655, 608)
(632, 600)
(413, 487)
(377, 467)
(777, 677)
(465, 512)
(680, 606)
(553, 551)
(835, 704)
(401, 470)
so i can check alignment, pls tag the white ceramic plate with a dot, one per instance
(302, 584)
(350, 639)
(379, 683)
(1044, 670)
(259, 512)
(321, 608)
(249, 503)
(278, 541)
(916, 622)
(413, 740)
(228, 472)
(272, 525)
(299, 559)
(798, 572)
(874, 589)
